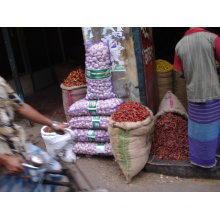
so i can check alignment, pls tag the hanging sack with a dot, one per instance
(98, 71)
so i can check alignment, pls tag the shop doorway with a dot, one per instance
(37, 51)
(166, 38)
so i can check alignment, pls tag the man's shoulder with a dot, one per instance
(179, 43)
(2, 81)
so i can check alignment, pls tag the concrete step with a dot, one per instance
(181, 168)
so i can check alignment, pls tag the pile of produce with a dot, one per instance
(164, 77)
(99, 89)
(90, 122)
(97, 56)
(85, 135)
(131, 112)
(93, 148)
(130, 130)
(95, 107)
(75, 78)
(98, 71)
(163, 66)
(90, 116)
(171, 137)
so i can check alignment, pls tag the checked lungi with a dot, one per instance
(204, 132)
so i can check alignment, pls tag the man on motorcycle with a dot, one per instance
(14, 148)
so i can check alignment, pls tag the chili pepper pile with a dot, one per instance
(171, 138)
(75, 78)
(131, 112)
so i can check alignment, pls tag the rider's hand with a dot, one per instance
(13, 165)
(61, 127)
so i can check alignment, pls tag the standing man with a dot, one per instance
(195, 56)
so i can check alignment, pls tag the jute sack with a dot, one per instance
(170, 103)
(131, 144)
(165, 82)
(180, 90)
(71, 95)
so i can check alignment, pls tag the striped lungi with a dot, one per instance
(204, 132)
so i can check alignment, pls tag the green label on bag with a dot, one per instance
(91, 135)
(100, 149)
(96, 122)
(98, 74)
(92, 107)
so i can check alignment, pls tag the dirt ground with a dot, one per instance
(104, 172)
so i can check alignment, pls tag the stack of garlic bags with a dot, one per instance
(90, 116)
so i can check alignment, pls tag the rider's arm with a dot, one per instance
(33, 115)
(26, 110)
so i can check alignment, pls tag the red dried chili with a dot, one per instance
(75, 78)
(171, 137)
(131, 112)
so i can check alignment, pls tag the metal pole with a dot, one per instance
(61, 44)
(24, 53)
(12, 63)
(48, 55)
(139, 61)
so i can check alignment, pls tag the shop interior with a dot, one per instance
(46, 48)
(166, 38)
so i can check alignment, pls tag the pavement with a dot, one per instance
(104, 172)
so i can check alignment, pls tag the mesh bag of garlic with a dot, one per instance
(98, 71)
(104, 149)
(85, 107)
(90, 135)
(90, 122)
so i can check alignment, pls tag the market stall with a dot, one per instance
(107, 125)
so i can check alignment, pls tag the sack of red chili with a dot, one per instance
(171, 130)
(71, 95)
(75, 78)
(73, 89)
(171, 137)
(131, 137)
(170, 103)
(131, 112)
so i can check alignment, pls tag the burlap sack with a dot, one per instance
(165, 83)
(170, 103)
(71, 95)
(131, 144)
(180, 90)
